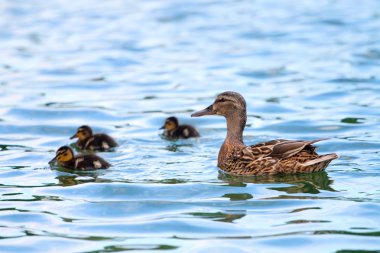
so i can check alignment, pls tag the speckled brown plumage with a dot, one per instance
(273, 157)
(173, 130)
(95, 142)
(65, 157)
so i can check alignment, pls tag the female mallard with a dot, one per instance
(95, 142)
(273, 157)
(65, 158)
(174, 130)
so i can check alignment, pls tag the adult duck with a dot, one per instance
(272, 157)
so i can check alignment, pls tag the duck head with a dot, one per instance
(170, 124)
(64, 154)
(226, 104)
(84, 132)
(232, 106)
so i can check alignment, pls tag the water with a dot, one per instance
(308, 69)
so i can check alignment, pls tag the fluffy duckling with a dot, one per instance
(89, 141)
(65, 157)
(172, 129)
(272, 157)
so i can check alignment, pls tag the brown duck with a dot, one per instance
(272, 157)
(95, 142)
(173, 130)
(65, 157)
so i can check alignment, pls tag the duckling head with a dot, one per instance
(63, 154)
(84, 132)
(226, 104)
(170, 124)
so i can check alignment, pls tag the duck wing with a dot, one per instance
(255, 160)
(282, 148)
(264, 158)
(90, 162)
(290, 148)
(262, 149)
(101, 142)
(186, 131)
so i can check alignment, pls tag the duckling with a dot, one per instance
(96, 142)
(174, 130)
(272, 157)
(65, 157)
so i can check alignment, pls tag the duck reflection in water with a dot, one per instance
(178, 147)
(70, 179)
(300, 183)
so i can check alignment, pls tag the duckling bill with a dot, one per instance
(173, 130)
(95, 142)
(272, 157)
(65, 157)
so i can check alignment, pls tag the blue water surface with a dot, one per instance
(308, 69)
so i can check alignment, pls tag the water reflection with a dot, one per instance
(306, 221)
(177, 147)
(220, 216)
(238, 196)
(14, 147)
(300, 183)
(129, 247)
(80, 177)
(353, 120)
(70, 180)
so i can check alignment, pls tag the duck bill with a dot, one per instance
(74, 136)
(206, 111)
(53, 160)
(163, 127)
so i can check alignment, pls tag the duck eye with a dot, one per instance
(222, 100)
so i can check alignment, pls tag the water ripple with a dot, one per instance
(307, 71)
